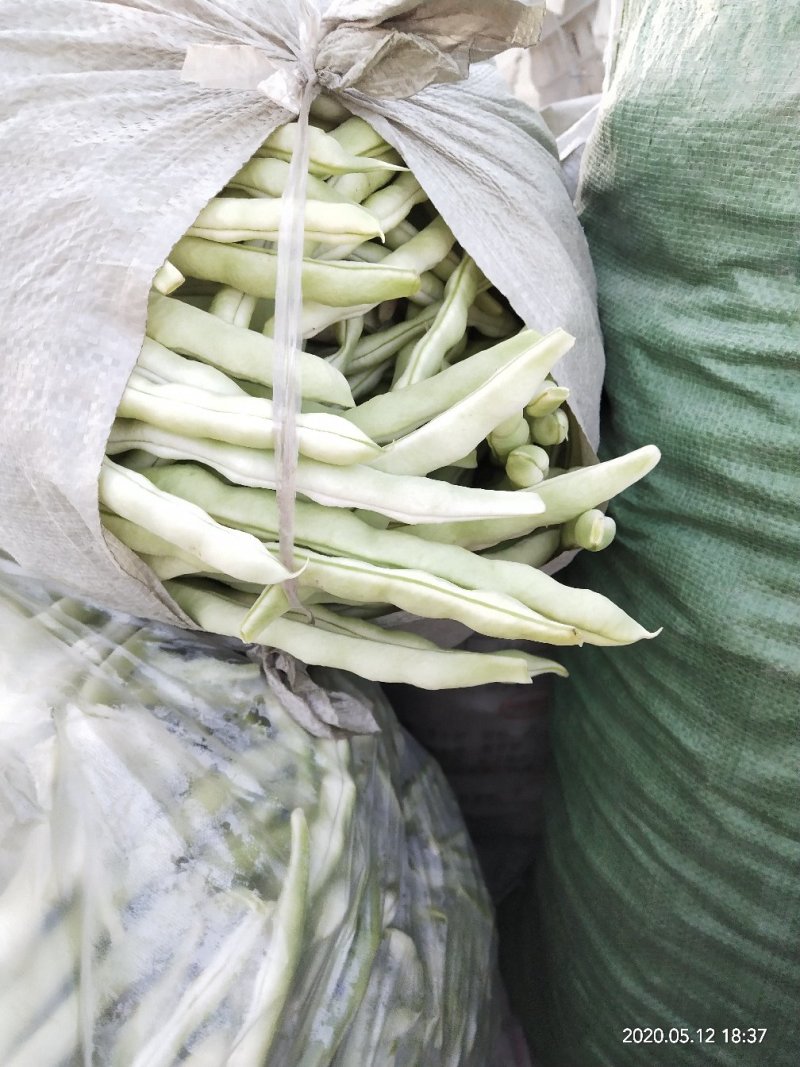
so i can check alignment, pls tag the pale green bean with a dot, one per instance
(423, 594)
(268, 177)
(512, 433)
(255, 271)
(362, 647)
(565, 497)
(592, 530)
(242, 353)
(358, 138)
(405, 231)
(326, 155)
(406, 499)
(447, 329)
(462, 426)
(550, 429)
(391, 204)
(233, 306)
(377, 348)
(242, 420)
(186, 525)
(339, 532)
(527, 465)
(534, 550)
(349, 333)
(389, 416)
(357, 187)
(226, 219)
(164, 365)
(547, 400)
(168, 278)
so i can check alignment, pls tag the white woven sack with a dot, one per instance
(107, 155)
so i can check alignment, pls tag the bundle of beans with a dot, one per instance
(435, 473)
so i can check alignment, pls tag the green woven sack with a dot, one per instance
(662, 925)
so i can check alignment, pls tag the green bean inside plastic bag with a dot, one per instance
(186, 876)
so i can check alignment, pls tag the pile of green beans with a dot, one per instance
(436, 473)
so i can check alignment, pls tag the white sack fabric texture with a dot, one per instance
(187, 876)
(107, 156)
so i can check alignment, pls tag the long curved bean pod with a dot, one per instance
(186, 525)
(164, 365)
(430, 288)
(326, 155)
(447, 329)
(405, 231)
(365, 649)
(376, 348)
(268, 177)
(242, 420)
(393, 414)
(403, 498)
(242, 353)
(423, 594)
(565, 497)
(227, 219)
(338, 532)
(459, 429)
(349, 333)
(255, 271)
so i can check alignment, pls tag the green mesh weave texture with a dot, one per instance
(668, 892)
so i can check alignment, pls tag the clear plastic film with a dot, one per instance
(187, 876)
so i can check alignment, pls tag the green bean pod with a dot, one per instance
(550, 429)
(268, 177)
(233, 306)
(394, 414)
(255, 271)
(163, 365)
(186, 525)
(168, 278)
(565, 497)
(406, 499)
(228, 220)
(447, 329)
(534, 550)
(241, 353)
(547, 400)
(338, 532)
(358, 138)
(423, 594)
(592, 531)
(462, 426)
(365, 649)
(242, 420)
(527, 465)
(326, 156)
(512, 433)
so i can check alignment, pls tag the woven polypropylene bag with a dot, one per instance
(668, 893)
(106, 157)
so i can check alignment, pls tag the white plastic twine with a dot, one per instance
(291, 81)
(286, 394)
